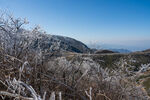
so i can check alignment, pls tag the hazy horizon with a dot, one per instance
(118, 23)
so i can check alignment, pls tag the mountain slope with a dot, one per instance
(148, 51)
(54, 43)
(121, 50)
(72, 44)
(37, 40)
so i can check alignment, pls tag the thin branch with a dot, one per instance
(15, 95)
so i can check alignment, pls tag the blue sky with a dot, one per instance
(125, 23)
